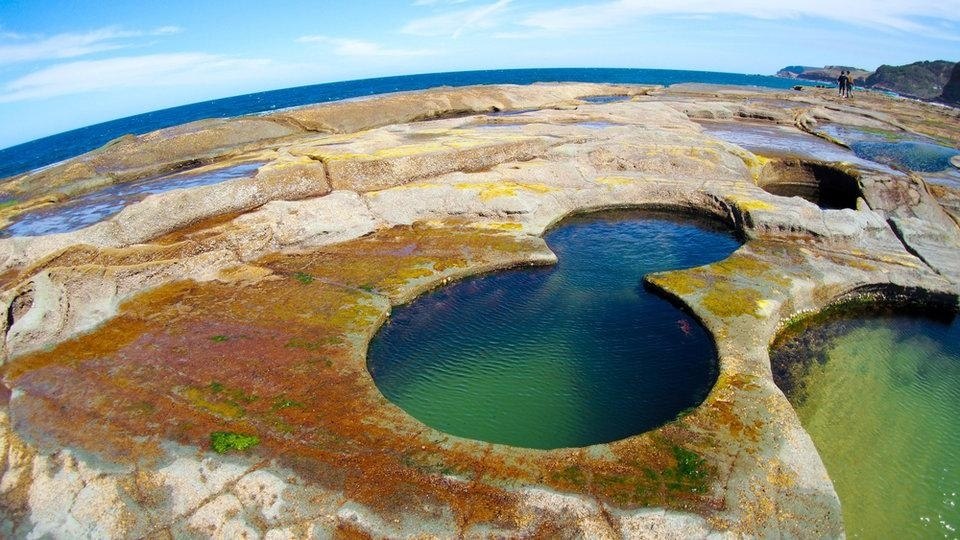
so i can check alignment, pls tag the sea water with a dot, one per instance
(569, 355)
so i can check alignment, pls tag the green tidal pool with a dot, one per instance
(569, 355)
(879, 395)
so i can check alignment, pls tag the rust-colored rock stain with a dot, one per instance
(284, 359)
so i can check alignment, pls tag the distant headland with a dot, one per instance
(937, 80)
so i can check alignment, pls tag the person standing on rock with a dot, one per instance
(844, 83)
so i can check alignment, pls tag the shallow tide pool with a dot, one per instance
(104, 203)
(563, 356)
(896, 149)
(779, 141)
(879, 396)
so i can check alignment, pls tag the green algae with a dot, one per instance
(227, 441)
(282, 402)
(691, 470)
(572, 475)
(679, 282)
(219, 338)
(680, 473)
(726, 300)
(219, 399)
(303, 278)
(878, 397)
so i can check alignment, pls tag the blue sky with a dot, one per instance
(67, 64)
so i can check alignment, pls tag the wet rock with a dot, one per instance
(151, 154)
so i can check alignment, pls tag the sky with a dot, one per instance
(67, 64)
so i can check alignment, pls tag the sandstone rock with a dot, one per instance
(651, 524)
(338, 217)
(356, 115)
(289, 179)
(250, 305)
(151, 154)
(269, 495)
(190, 480)
(395, 166)
(705, 111)
(66, 301)
(222, 518)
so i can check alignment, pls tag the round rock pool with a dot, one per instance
(570, 355)
(878, 392)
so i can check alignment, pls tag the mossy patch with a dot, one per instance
(740, 264)
(669, 474)
(571, 475)
(679, 282)
(282, 402)
(724, 300)
(219, 338)
(303, 278)
(356, 315)
(202, 399)
(227, 441)
(219, 399)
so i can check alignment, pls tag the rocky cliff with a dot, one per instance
(951, 90)
(826, 73)
(924, 80)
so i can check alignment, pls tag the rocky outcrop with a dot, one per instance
(138, 349)
(827, 73)
(925, 80)
(951, 90)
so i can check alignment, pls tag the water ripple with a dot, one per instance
(571, 355)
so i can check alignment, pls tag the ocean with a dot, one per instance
(55, 148)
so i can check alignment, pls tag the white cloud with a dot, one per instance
(898, 15)
(435, 2)
(72, 45)
(147, 71)
(167, 30)
(357, 47)
(456, 23)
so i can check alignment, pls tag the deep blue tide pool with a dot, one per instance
(570, 355)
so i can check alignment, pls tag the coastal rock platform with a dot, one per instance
(195, 365)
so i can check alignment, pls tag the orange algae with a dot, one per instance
(290, 371)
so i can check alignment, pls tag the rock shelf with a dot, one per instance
(235, 317)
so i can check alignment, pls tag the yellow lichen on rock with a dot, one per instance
(615, 181)
(681, 282)
(724, 300)
(748, 204)
(508, 188)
